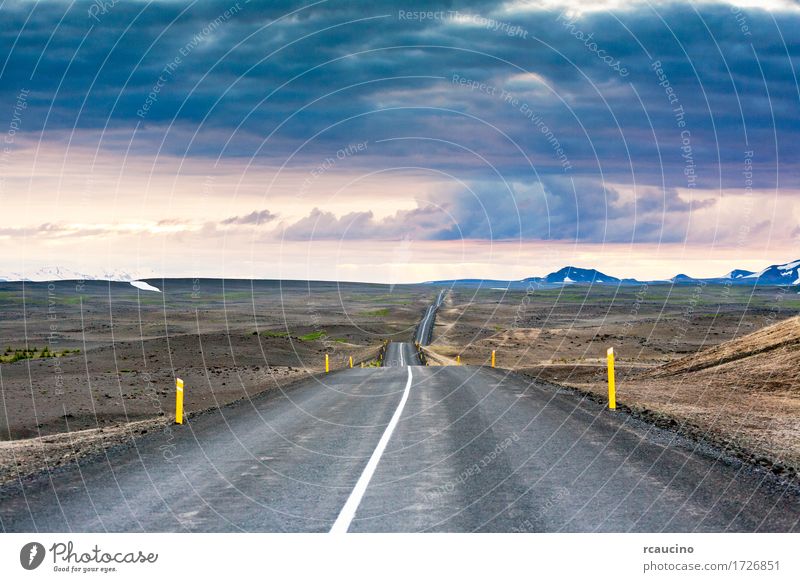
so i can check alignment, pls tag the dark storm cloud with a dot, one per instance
(540, 106)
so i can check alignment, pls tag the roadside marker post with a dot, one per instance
(494, 358)
(458, 359)
(351, 361)
(178, 401)
(612, 389)
(327, 364)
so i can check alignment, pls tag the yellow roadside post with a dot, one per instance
(178, 401)
(494, 358)
(327, 364)
(612, 389)
(458, 359)
(351, 361)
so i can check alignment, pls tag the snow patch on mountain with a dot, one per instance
(738, 274)
(59, 273)
(145, 286)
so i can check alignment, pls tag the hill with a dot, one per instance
(774, 349)
(576, 275)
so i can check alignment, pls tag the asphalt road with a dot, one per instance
(400, 354)
(404, 353)
(425, 329)
(407, 449)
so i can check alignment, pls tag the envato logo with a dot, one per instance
(67, 559)
(31, 555)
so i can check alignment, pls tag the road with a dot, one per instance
(404, 353)
(474, 449)
(425, 329)
(407, 449)
(399, 354)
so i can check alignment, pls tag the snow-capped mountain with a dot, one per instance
(738, 274)
(44, 274)
(786, 274)
(569, 275)
(56, 273)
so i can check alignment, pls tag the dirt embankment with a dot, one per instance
(778, 344)
(743, 394)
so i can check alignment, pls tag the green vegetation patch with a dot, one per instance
(12, 355)
(376, 312)
(70, 300)
(309, 337)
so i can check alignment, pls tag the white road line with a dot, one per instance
(425, 322)
(400, 350)
(348, 512)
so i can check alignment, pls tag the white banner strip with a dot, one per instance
(373, 557)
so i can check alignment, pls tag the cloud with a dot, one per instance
(52, 231)
(426, 222)
(199, 84)
(173, 93)
(556, 209)
(257, 217)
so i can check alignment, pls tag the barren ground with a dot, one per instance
(750, 406)
(230, 340)
(227, 340)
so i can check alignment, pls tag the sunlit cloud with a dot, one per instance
(493, 125)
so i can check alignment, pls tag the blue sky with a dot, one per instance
(395, 141)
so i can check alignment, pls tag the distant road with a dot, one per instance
(407, 448)
(404, 353)
(425, 329)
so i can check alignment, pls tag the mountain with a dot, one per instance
(738, 274)
(482, 283)
(569, 275)
(56, 273)
(44, 274)
(786, 274)
(678, 279)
